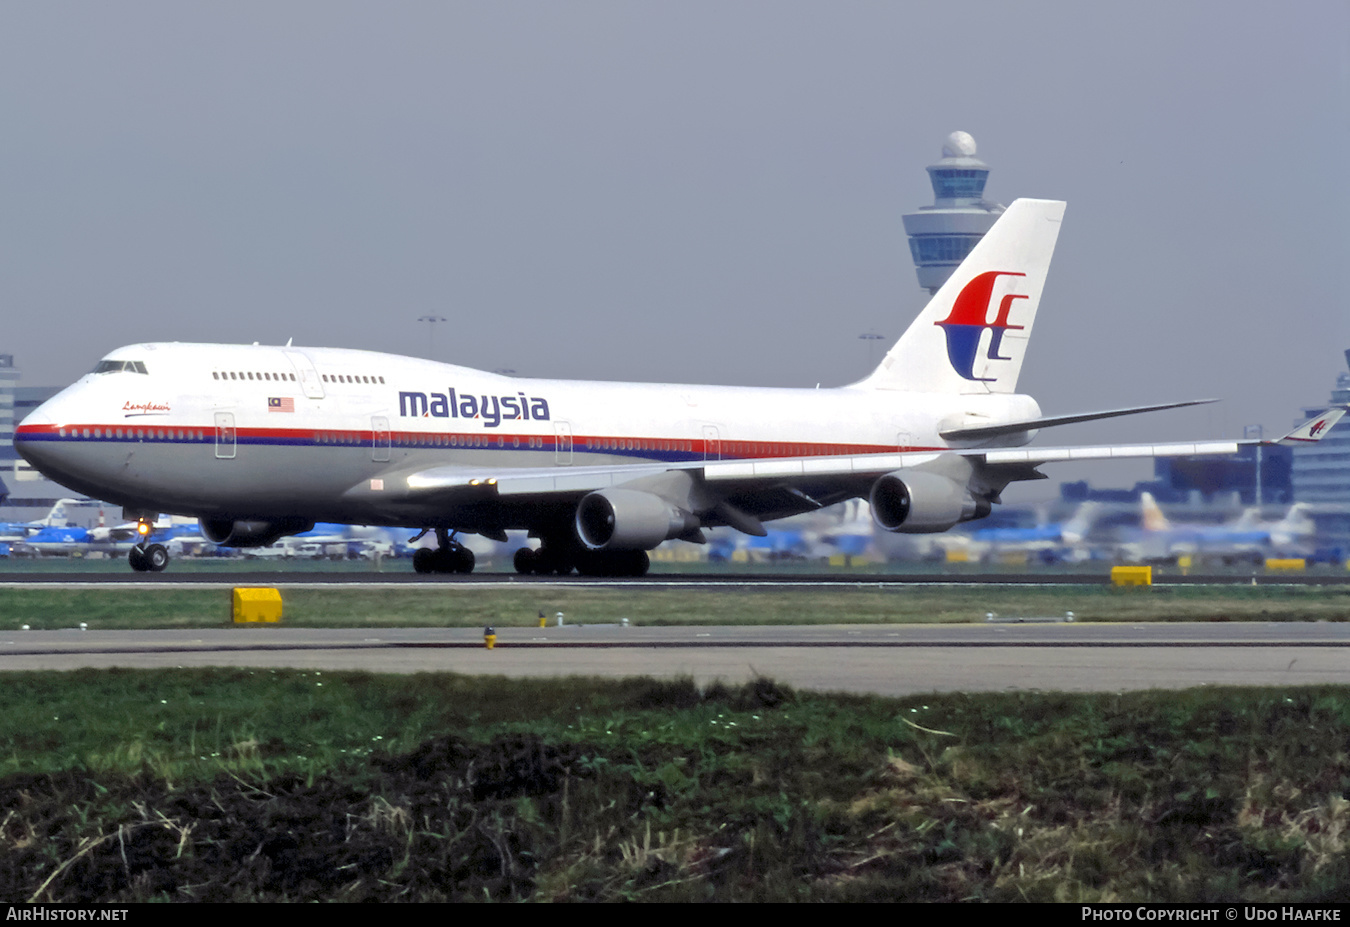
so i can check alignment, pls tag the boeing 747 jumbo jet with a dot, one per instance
(259, 442)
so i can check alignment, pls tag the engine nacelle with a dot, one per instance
(917, 502)
(229, 533)
(629, 519)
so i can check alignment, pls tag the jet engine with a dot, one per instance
(229, 533)
(917, 502)
(630, 519)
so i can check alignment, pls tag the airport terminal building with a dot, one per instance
(1322, 472)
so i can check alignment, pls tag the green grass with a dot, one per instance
(441, 605)
(129, 785)
(238, 784)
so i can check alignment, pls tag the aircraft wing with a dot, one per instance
(821, 481)
(516, 481)
(125, 532)
(1034, 424)
(743, 493)
(739, 493)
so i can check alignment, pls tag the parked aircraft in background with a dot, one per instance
(261, 442)
(1057, 541)
(777, 543)
(72, 540)
(337, 541)
(55, 518)
(1248, 537)
(854, 534)
(61, 540)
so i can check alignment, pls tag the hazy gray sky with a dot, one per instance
(692, 191)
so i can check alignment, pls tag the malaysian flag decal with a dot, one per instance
(280, 404)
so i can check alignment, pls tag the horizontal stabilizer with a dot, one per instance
(1010, 428)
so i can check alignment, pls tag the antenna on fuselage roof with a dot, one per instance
(288, 342)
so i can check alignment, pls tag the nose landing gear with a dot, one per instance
(144, 557)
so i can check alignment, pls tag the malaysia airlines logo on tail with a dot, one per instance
(968, 320)
(1316, 429)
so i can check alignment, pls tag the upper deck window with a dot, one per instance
(116, 366)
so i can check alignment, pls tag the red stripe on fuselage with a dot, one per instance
(689, 448)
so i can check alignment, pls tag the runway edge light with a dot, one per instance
(254, 605)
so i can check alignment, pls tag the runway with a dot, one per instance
(880, 659)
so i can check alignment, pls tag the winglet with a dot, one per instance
(1311, 431)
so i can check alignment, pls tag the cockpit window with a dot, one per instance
(119, 366)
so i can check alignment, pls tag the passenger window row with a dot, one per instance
(250, 375)
(350, 378)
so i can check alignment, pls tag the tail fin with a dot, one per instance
(1077, 527)
(1151, 517)
(972, 335)
(1296, 522)
(57, 516)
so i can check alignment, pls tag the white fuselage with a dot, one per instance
(244, 431)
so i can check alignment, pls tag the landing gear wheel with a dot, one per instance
(614, 563)
(450, 557)
(637, 563)
(457, 559)
(136, 557)
(525, 561)
(156, 558)
(559, 562)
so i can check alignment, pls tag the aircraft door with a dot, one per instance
(225, 435)
(904, 441)
(309, 377)
(379, 438)
(712, 443)
(563, 447)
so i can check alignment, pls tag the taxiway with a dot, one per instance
(880, 659)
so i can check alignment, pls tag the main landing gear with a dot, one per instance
(450, 556)
(561, 559)
(147, 558)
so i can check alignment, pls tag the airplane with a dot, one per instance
(55, 518)
(66, 540)
(259, 442)
(777, 543)
(1047, 540)
(338, 541)
(57, 539)
(1246, 538)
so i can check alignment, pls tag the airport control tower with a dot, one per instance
(941, 235)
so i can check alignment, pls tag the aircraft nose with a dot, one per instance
(29, 435)
(36, 439)
(38, 416)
